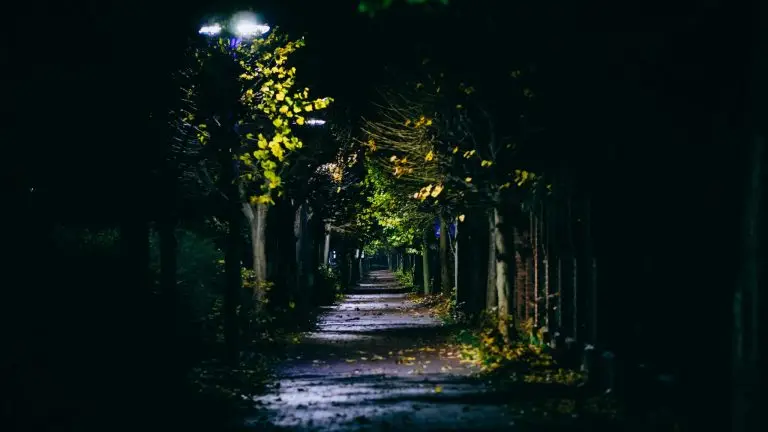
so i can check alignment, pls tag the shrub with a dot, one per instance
(328, 285)
(525, 359)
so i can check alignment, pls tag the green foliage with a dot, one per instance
(405, 278)
(270, 94)
(441, 306)
(524, 360)
(390, 219)
(436, 138)
(328, 284)
(87, 241)
(268, 107)
(199, 272)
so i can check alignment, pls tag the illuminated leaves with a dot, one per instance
(528, 93)
(269, 94)
(429, 191)
(371, 145)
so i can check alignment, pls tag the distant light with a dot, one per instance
(246, 29)
(315, 122)
(246, 24)
(210, 30)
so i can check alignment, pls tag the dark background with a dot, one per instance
(644, 102)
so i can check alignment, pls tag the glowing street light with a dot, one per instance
(314, 122)
(210, 30)
(250, 29)
(242, 25)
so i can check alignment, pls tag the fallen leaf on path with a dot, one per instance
(438, 389)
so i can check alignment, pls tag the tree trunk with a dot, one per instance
(456, 257)
(168, 260)
(286, 289)
(591, 269)
(445, 271)
(341, 262)
(474, 259)
(746, 301)
(302, 254)
(504, 270)
(232, 256)
(354, 268)
(426, 262)
(471, 284)
(491, 297)
(327, 244)
(348, 258)
(418, 272)
(257, 220)
(569, 274)
(536, 273)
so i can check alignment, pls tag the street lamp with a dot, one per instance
(210, 30)
(250, 29)
(314, 122)
(242, 25)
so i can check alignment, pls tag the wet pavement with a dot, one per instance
(378, 363)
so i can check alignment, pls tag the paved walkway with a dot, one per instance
(378, 363)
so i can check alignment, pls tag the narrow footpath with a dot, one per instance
(379, 363)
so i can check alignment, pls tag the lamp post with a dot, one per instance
(242, 25)
(222, 97)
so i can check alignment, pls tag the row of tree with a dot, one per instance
(247, 153)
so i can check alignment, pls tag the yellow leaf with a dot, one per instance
(461, 218)
(455, 149)
(429, 156)
(299, 120)
(284, 109)
(280, 96)
(277, 122)
(438, 389)
(468, 179)
(292, 305)
(436, 191)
